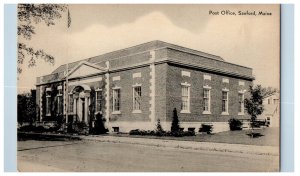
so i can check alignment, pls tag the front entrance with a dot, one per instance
(81, 95)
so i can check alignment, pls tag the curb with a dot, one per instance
(205, 146)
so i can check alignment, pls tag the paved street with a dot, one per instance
(109, 156)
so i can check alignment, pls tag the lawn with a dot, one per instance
(269, 137)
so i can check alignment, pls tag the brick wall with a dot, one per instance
(125, 83)
(173, 95)
(161, 91)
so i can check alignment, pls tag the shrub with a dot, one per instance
(135, 132)
(235, 124)
(158, 126)
(189, 133)
(99, 125)
(205, 128)
(78, 127)
(55, 128)
(39, 129)
(175, 122)
(161, 133)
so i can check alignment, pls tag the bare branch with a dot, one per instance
(35, 13)
(33, 54)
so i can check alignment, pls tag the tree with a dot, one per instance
(26, 107)
(175, 122)
(254, 104)
(268, 91)
(28, 15)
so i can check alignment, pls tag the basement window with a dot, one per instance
(116, 129)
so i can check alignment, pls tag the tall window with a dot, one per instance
(185, 97)
(98, 100)
(224, 101)
(206, 100)
(116, 99)
(59, 101)
(241, 103)
(48, 102)
(71, 103)
(137, 96)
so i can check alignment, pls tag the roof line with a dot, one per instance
(154, 41)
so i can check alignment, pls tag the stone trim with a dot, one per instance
(116, 78)
(225, 80)
(137, 75)
(41, 103)
(170, 61)
(206, 87)
(225, 89)
(152, 87)
(107, 102)
(186, 73)
(76, 82)
(206, 77)
(66, 96)
(242, 91)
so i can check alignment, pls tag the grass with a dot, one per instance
(265, 137)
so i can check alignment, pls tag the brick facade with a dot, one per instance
(160, 69)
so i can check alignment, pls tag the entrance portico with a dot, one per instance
(81, 98)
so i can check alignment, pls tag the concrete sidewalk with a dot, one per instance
(208, 146)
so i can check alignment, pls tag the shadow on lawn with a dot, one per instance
(255, 135)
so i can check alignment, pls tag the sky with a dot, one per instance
(246, 40)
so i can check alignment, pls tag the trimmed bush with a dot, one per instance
(189, 133)
(235, 124)
(205, 128)
(39, 129)
(99, 127)
(134, 132)
(158, 126)
(78, 127)
(161, 133)
(175, 122)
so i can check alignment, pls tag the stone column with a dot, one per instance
(107, 90)
(86, 109)
(65, 101)
(41, 103)
(152, 88)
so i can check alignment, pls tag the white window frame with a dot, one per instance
(226, 103)
(71, 103)
(97, 91)
(59, 100)
(48, 102)
(241, 104)
(209, 100)
(188, 86)
(134, 100)
(114, 110)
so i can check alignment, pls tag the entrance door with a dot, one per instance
(83, 111)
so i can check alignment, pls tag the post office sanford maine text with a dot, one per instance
(241, 13)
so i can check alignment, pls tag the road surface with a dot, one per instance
(98, 156)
